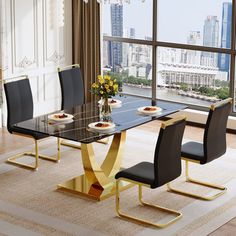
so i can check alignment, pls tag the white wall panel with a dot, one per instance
(24, 33)
(52, 86)
(34, 88)
(38, 40)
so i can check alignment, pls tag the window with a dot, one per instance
(127, 20)
(190, 76)
(203, 22)
(190, 48)
(134, 69)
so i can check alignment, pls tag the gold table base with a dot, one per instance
(83, 187)
(98, 180)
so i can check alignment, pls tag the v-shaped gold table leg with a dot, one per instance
(98, 181)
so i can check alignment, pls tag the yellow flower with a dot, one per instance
(104, 86)
(115, 87)
(107, 77)
(94, 85)
(101, 80)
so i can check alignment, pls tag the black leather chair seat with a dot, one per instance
(193, 150)
(142, 172)
(34, 134)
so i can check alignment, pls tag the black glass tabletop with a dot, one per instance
(82, 125)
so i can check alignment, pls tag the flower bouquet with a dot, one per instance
(105, 87)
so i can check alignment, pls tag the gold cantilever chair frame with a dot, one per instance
(64, 142)
(143, 203)
(177, 214)
(198, 182)
(14, 159)
(189, 179)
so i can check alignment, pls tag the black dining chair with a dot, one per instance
(20, 108)
(166, 167)
(72, 86)
(72, 91)
(212, 147)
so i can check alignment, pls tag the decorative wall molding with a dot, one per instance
(56, 57)
(25, 62)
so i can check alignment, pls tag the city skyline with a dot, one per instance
(176, 27)
(118, 55)
(136, 59)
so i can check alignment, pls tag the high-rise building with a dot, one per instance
(107, 53)
(210, 39)
(192, 56)
(116, 30)
(132, 33)
(194, 38)
(223, 62)
(127, 33)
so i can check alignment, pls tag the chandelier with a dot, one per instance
(113, 1)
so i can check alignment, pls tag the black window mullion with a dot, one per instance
(154, 51)
(233, 54)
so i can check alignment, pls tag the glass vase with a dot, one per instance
(105, 109)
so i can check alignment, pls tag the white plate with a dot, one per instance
(55, 117)
(115, 104)
(93, 125)
(141, 109)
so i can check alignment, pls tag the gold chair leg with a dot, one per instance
(58, 149)
(13, 159)
(124, 215)
(54, 159)
(65, 143)
(191, 180)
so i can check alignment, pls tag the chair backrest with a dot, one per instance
(215, 131)
(72, 86)
(19, 101)
(167, 157)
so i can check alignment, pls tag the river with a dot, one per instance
(165, 94)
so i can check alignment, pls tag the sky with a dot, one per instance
(176, 18)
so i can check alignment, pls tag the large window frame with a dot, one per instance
(155, 44)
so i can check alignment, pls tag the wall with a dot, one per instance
(36, 40)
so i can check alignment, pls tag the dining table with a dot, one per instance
(98, 181)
